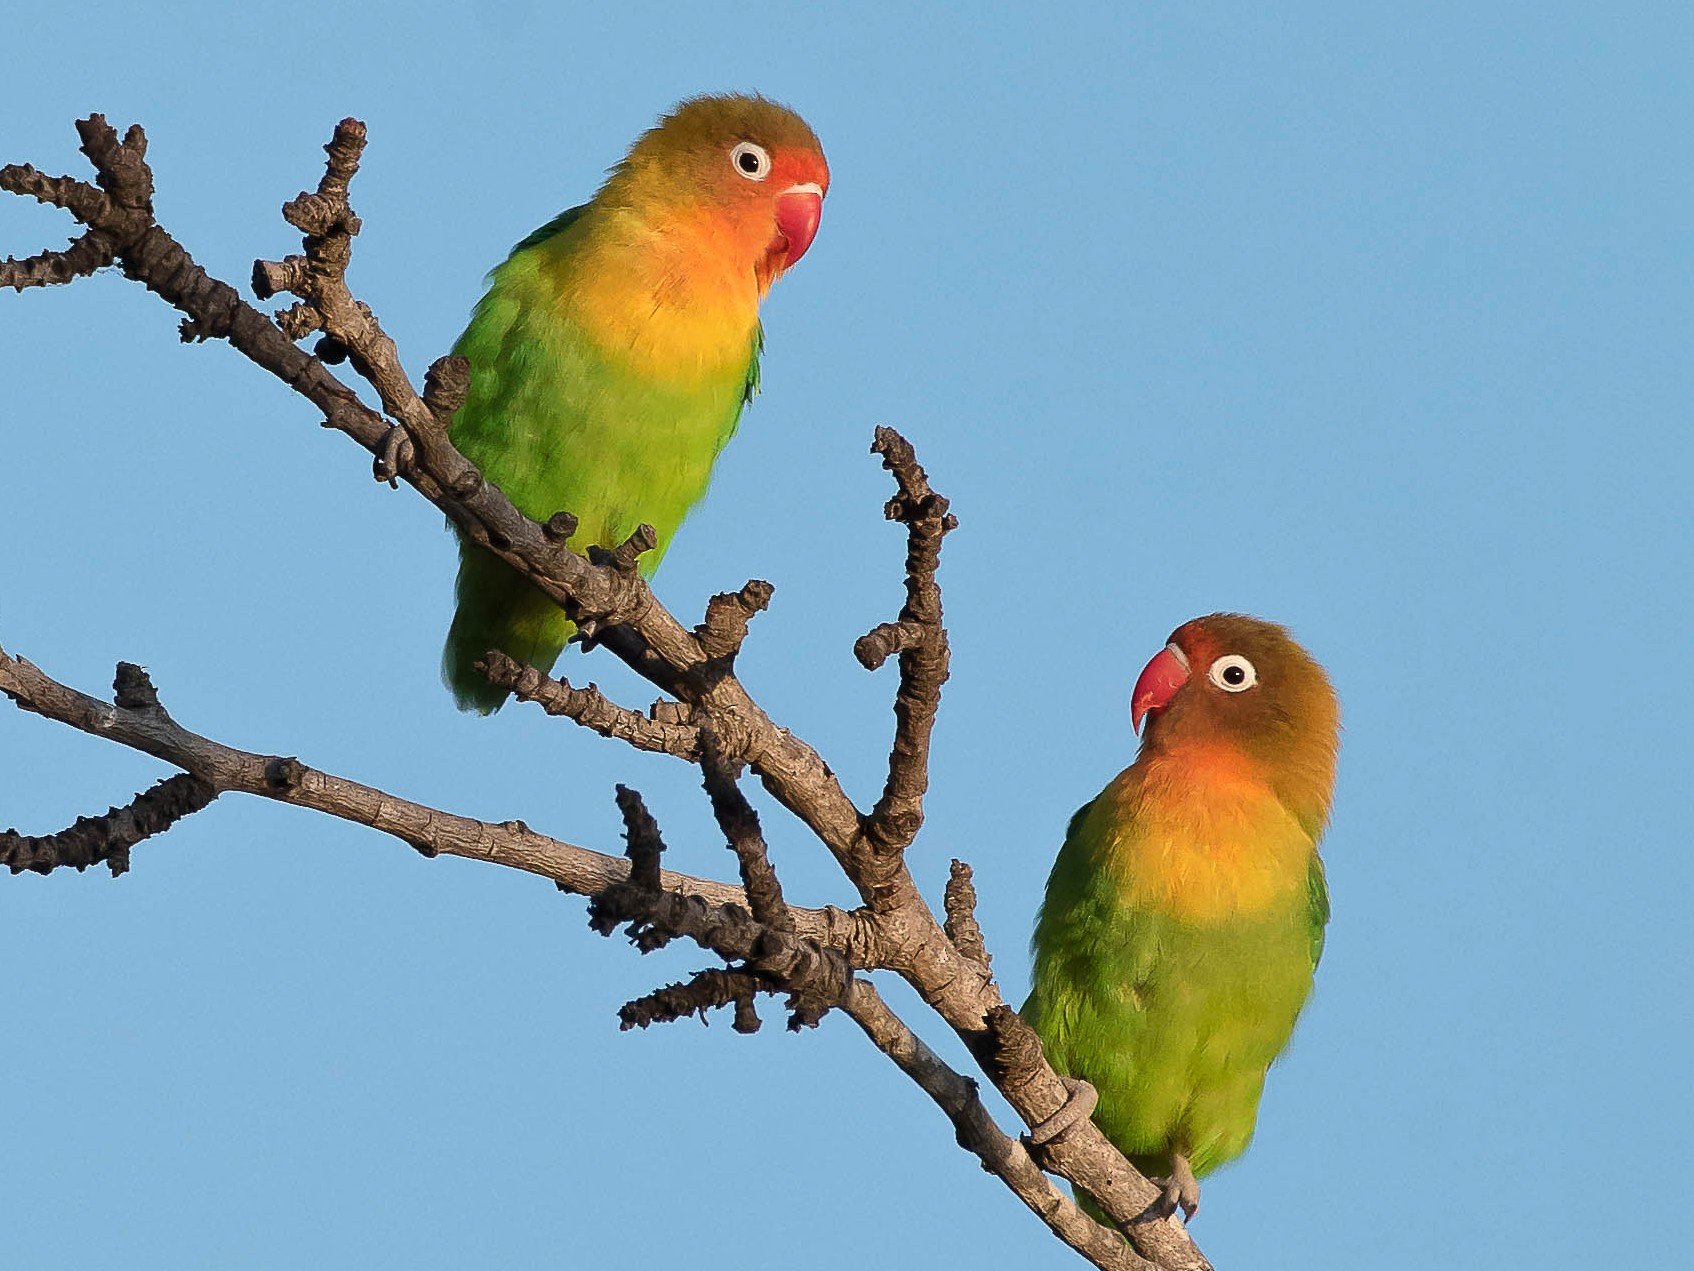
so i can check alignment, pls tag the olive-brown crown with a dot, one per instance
(691, 153)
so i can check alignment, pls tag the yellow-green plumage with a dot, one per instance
(613, 354)
(1185, 913)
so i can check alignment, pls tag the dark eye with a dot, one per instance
(1233, 673)
(751, 161)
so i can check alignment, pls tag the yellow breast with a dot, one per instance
(670, 302)
(1200, 835)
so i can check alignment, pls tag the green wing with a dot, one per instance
(752, 389)
(560, 424)
(557, 225)
(1317, 890)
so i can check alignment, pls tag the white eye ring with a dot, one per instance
(1233, 673)
(751, 161)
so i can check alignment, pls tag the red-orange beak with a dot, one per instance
(1159, 681)
(799, 208)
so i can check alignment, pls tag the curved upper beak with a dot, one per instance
(799, 208)
(1158, 683)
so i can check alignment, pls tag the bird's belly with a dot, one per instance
(611, 447)
(1180, 1040)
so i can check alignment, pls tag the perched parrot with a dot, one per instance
(1185, 914)
(616, 347)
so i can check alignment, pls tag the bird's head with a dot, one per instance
(745, 176)
(1231, 680)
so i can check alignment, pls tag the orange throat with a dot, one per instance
(1202, 836)
(679, 303)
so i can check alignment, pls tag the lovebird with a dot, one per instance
(1185, 913)
(615, 349)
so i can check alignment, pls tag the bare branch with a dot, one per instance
(1005, 1157)
(610, 602)
(658, 916)
(430, 830)
(921, 641)
(120, 166)
(87, 253)
(707, 991)
(814, 977)
(811, 972)
(107, 838)
(590, 707)
(960, 904)
(883, 641)
(740, 825)
(644, 844)
(727, 615)
(78, 198)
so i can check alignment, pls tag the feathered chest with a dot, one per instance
(1203, 838)
(662, 301)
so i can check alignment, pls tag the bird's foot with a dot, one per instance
(1079, 1104)
(1181, 1190)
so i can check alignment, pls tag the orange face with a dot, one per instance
(1231, 683)
(745, 176)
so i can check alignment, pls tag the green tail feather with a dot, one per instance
(498, 609)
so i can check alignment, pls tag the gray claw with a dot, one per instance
(1182, 1189)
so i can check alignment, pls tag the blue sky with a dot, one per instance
(1373, 321)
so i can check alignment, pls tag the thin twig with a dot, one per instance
(740, 825)
(814, 977)
(589, 707)
(87, 253)
(724, 629)
(921, 641)
(960, 905)
(706, 991)
(107, 838)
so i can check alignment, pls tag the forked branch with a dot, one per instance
(708, 716)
